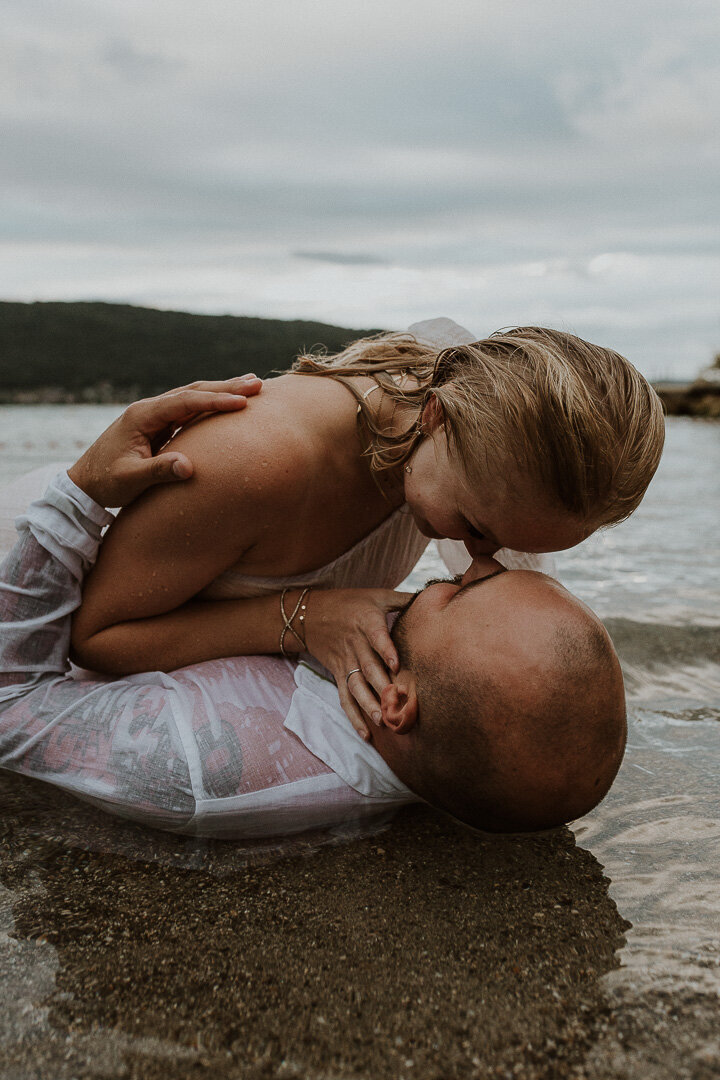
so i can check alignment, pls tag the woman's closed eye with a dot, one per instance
(475, 533)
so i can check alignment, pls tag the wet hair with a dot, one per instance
(578, 419)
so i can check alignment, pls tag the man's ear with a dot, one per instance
(432, 417)
(399, 706)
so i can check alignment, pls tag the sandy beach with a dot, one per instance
(201, 191)
(424, 951)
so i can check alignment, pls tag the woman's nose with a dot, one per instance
(480, 568)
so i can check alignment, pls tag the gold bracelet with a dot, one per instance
(299, 607)
(301, 619)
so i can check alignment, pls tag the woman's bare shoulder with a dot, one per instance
(245, 476)
(256, 465)
(258, 450)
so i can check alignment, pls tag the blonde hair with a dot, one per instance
(577, 418)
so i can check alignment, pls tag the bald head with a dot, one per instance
(520, 719)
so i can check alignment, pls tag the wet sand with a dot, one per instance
(126, 953)
(423, 951)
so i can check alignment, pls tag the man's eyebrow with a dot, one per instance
(476, 582)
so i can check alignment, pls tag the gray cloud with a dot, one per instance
(347, 258)
(418, 149)
(133, 62)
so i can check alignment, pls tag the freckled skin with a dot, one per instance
(511, 512)
(273, 498)
(268, 497)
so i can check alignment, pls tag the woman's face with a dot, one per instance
(504, 509)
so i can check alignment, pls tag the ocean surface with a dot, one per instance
(655, 581)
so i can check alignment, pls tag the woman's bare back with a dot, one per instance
(281, 490)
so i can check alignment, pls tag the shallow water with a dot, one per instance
(655, 582)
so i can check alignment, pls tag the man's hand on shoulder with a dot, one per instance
(124, 461)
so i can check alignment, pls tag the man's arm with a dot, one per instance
(198, 752)
(115, 743)
(40, 584)
(60, 535)
(195, 752)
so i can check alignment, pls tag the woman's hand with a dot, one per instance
(346, 630)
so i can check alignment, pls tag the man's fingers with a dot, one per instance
(180, 467)
(238, 384)
(175, 405)
(162, 469)
(123, 461)
(153, 415)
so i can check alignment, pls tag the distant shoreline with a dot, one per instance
(104, 394)
(679, 399)
(96, 353)
(698, 399)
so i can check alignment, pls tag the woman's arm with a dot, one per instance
(137, 612)
(196, 631)
(170, 544)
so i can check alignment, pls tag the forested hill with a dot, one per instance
(116, 352)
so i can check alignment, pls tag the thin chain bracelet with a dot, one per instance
(301, 607)
(301, 619)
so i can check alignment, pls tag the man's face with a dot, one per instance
(478, 621)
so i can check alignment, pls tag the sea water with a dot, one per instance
(655, 581)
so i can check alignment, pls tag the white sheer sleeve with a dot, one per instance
(115, 744)
(442, 333)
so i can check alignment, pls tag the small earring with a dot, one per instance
(408, 469)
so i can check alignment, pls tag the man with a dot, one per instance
(507, 710)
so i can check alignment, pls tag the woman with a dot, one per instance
(337, 477)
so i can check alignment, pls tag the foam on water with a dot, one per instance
(657, 835)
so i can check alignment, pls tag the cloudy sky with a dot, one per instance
(371, 163)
